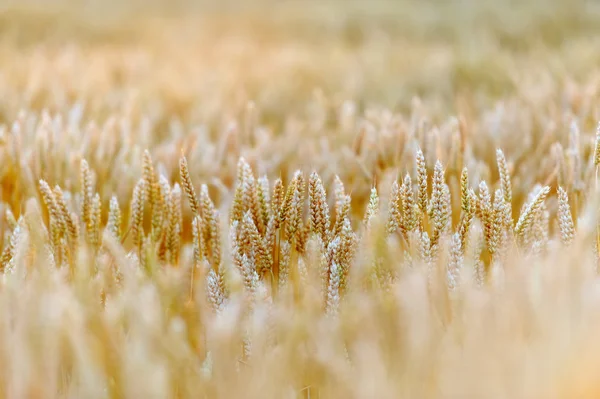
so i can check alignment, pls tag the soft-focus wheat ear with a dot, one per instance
(485, 208)
(410, 209)
(175, 225)
(505, 183)
(71, 224)
(394, 219)
(264, 200)
(255, 245)
(455, 263)
(277, 200)
(333, 291)
(210, 217)
(292, 206)
(87, 197)
(214, 291)
(421, 181)
(318, 216)
(498, 223)
(329, 254)
(597, 166)
(188, 186)
(565, 220)
(137, 214)
(345, 253)
(528, 213)
(199, 250)
(372, 208)
(153, 193)
(425, 254)
(56, 222)
(113, 225)
(467, 218)
(465, 201)
(252, 199)
(9, 250)
(244, 195)
(96, 221)
(11, 221)
(439, 204)
(285, 256)
(198, 244)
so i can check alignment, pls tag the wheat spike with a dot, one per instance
(498, 222)
(333, 290)
(96, 221)
(136, 219)
(439, 203)
(528, 213)
(86, 193)
(394, 209)
(505, 183)
(464, 190)
(456, 263)
(486, 213)
(318, 209)
(372, 208)
(565, 220)
(114, 218)
(421, 181)
(188, 186)
(262, 191)
(71, 225)
(175, 224)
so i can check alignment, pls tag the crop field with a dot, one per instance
(300, 199)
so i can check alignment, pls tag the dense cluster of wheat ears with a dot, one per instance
(294, 248)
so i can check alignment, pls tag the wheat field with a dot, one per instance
(299, 199)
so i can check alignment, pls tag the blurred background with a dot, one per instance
(196, 59)
(331, 85)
